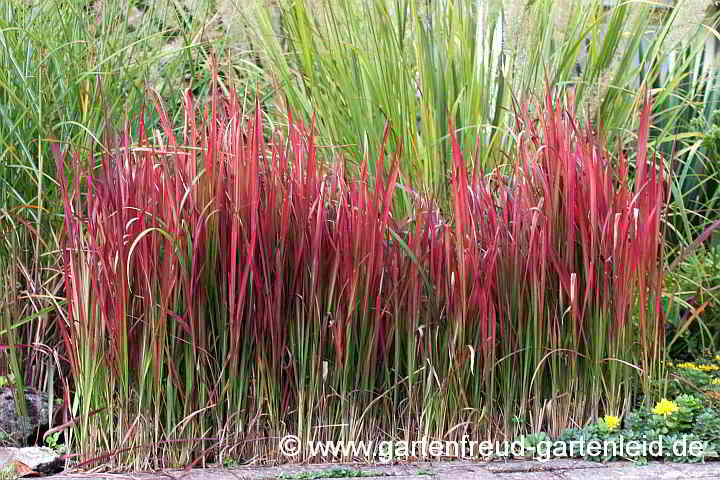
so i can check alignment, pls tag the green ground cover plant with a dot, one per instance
(692, 416)
(332, 473)
(700, 378)
(679, 422)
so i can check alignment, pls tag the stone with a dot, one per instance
(15, 429)
(30, 461)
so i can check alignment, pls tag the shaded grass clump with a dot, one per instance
(226, 288)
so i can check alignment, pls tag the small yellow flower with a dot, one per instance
(611, 421)
(699, 368)
(715, 381)
(717, 358)
(687, 366)
(665, 407)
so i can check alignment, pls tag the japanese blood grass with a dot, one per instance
(66, 68)
(578, 262)
(226, 288)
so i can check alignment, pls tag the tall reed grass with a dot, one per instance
(359, 64)
(227, 286)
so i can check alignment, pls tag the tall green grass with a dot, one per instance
(687, 132)
(419, 64)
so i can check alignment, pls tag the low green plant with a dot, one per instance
(532, 442)
(229, 462)
(700, 378)
(685, 419)
(331, 473)
(53, 441)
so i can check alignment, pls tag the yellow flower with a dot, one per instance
(687, 365)
(717, 358)
(699, 368)
(611, 421)
(665, 407)
(715, 381)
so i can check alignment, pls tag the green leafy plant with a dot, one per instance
(701, 378)
(682, 421)
(331, 473)
(53, 441)
(432, 69)
(533, 442)
(694, 317)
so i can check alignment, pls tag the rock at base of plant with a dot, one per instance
(16, 429)
(30, 461)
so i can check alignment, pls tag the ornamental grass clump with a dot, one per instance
(222, 289)
(228, 285)
(574, 278)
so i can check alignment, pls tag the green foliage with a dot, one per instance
(533, 442)
(688, 382)
(435, 68)
(688, 136)
(330, 473)
(701, 379)
(53, 441)
(693, 421)
(694, 317)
